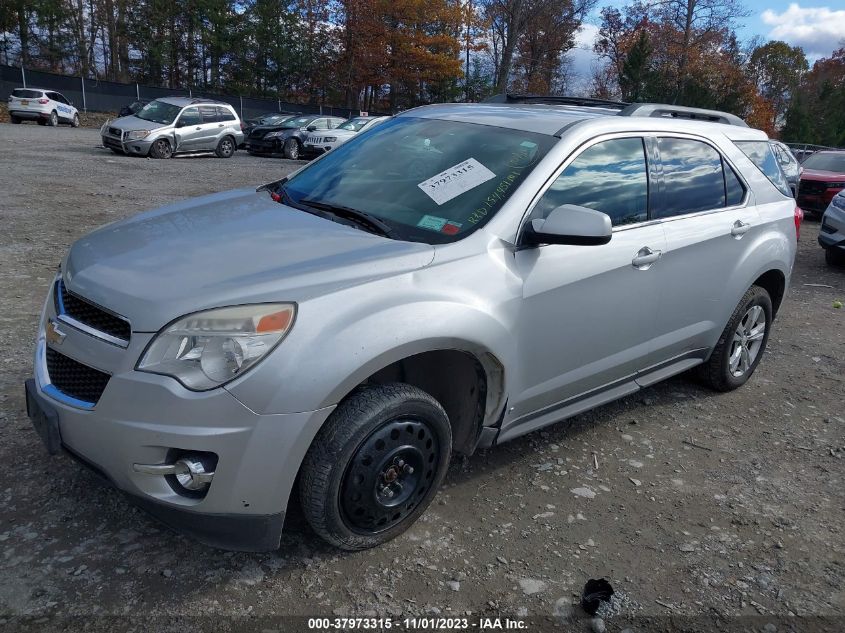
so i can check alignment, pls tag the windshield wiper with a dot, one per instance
(361, 218)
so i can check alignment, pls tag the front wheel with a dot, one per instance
(75, 122)
(225, 148)
(291, 149)
(742, 343)
(375, 466)
(834, 257)
(161, 149)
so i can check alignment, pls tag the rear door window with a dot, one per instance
(209, 114)
(762, 155)
(610, 176)
(693, 177)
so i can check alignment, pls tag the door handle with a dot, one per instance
(199, 127)
(645, 257)
(740, 228)
(221, 125)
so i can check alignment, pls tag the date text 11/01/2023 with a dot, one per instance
(416, 624)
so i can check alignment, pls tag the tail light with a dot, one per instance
(799, 217)
(243, 127)
(43, 101)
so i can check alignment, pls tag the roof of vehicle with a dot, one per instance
(553, 119)
(186, 101)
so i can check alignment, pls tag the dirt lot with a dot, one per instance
(706, 512)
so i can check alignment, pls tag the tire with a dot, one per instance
(116, 151)
(375, 466)
(75, 121)
(15, 119)
(53, 121)
(225, 148)
(161, 149)
(834, 257)
(729, 366)
(291, 149)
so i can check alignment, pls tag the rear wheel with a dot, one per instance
(834, 257)
(742, 343)
(54, 119)
(375, 466)
(225, 148)
(291, 149)
(161, 149)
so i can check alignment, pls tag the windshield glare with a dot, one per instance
(353, 124)
(432, 181)
(159, 112)
(301, 121)
(826, 162)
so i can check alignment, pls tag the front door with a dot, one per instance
(189, 130)
(588, 312)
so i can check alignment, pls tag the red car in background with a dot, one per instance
(823, 178)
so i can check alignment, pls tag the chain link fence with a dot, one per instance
(109, 96)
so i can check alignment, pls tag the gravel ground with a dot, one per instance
(706, 511)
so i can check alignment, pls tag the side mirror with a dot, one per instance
(311, 128)
(569, 224)
(180, 123)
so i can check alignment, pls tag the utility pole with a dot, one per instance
(469, 26)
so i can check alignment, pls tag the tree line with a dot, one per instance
(395, 54)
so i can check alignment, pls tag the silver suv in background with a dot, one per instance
(460, 276)
(176, 125)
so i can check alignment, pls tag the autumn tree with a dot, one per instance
(777, 69)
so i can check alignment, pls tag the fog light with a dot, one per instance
(193, 472)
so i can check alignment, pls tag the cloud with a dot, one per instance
(581, 59)
(819, 31)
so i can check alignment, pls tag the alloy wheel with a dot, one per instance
(747, 341)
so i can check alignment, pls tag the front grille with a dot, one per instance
(87, 313)
(112, 142)
(75, 379)
(257, 133)
(812, 187)
(114, 132)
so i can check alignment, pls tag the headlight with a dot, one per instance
(329, 139)
(836, 185)
(838, 201)
(273, 134)
(208, 349)
(137, 135)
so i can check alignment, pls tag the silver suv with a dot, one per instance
(176, 125)
(459, 276)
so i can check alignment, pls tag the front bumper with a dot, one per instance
(145, 418)
(139, 148)
(261, 146)
(832, 229)
(315, 150)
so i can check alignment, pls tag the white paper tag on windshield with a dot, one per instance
(452, 182)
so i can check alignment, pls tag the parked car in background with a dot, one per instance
(269, 118)
(289, 136)
(133, 107)
(175, 125)
(462, 275)
(792, 169)
(823, 178)
(47, 107)
(319, 143)
(832, 231)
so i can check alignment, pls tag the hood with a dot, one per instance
(132, 122)
(826, 176)
(226, 249)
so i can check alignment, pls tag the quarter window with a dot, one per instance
(610, 176)
(761, 154)
(224, 114)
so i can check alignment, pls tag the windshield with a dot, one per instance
(353, 125)
(159, 112)
(826, 162)
(431, 181)
(273, 119)
(300, 121)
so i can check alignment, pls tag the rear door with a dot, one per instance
(709, 220)
(211, 128)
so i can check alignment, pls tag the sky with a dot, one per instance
(817, 26)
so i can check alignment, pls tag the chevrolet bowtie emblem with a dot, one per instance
(53, 334)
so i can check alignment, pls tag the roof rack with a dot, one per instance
(682, 112)
(556, 100)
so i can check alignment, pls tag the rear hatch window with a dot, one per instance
(23, 93)
(761, 154)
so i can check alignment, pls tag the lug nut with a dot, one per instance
(409, 469)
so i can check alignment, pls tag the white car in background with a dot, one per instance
(48, 107)
(317, 144)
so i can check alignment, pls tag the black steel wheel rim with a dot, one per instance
(389, 475)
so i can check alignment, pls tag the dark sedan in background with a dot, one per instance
(288, 136)
(823, 178)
